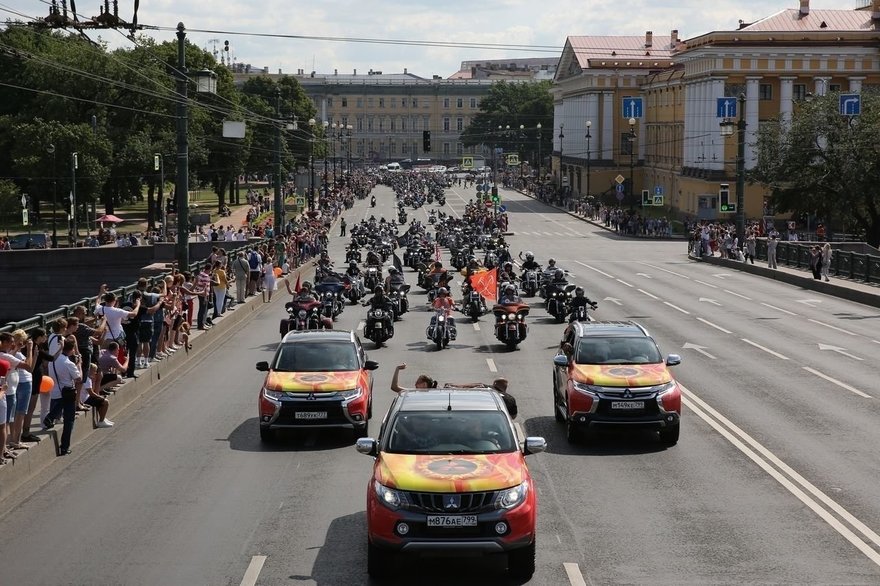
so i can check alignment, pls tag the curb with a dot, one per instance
(43, 455)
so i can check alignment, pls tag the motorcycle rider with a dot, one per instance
(530, 264)
(506, 274)
(394, 280)
(445, 302)
(373, 201)
(353, 272)
(438, 274)
(380, 301)
(509, 296)
(557, 282)
(580, 300)
(373, 258)
(305, 292)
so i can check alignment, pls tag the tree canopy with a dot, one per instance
(824, 164)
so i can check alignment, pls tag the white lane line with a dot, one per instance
(594, 269)
(623, 283)
(677, 308)
(838, 383)
(573, 571)
(361, 326)
(561, 234)
(737, 295)
(767, 350)
(491, 363)
(253, 570)
(778, 309)
(666, 271)
(548, 234)
(710, 324)
(648, 294)
(705, 283)
(756, 454)
(833, 327)
(476, 327)
(876, 341)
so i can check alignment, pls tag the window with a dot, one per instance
(446, 148)
(446, 103)
(381, 125)
(473, 103)
(370, 124)
(799, 92)
(403, 102)
(459, 124)
(369, 102)
(459, 102)
(446, 125)
(360, 148)
(381, 102)
(360, 102)
(834, 87)
(415, 102)
(344, 122)
(404, 147)
(329, 102)
(393, 148)
(626, 145)
(345, 102)
(393, 102)
(360, 125)
(391, 126)
(459, 148)
(765, 91)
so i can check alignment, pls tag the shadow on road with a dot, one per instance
(605, 443)
(343, 560)
(246, 438)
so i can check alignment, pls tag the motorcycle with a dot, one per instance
(432, 217)
(510, 325)
(372, 277)
(378, 327)
(399, 301)
(529, 281)
(580, 313)
(354, 289)
(401, 217)
(373, 202)
(353, 255)
(302, 315)
(558, 299)
(440, 331)
(474, 306)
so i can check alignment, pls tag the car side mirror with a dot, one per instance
(371, 365)
(367, 446)
(535, 445)
(263, 366)
(560, 360)
(673, 360)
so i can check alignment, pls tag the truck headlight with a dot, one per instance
(351, 394)
(512, 497)
(393, 499)
(272, 395)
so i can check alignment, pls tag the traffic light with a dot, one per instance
(725, 205)
(426, 141)
(495, 197)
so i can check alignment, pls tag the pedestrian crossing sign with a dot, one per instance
(300, 201)
(467, 162)
(512, 160)
(658, 200)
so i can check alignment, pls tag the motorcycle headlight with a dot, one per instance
(302, 313)
(441, 318)
(589, 390)
(393, 499)
(273, 395)
(511, 316)
(512, 497)
(502, 317)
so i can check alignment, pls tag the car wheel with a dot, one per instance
(370, 409)
(669, 435)
(378, 562)
(557, 411)
(521, 562)
(267, 436)
(572, 433)
(361, 430)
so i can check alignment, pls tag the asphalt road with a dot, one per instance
(773, 481)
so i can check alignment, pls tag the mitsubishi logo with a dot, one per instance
(311, 397)
(627, 394)
(452, 502)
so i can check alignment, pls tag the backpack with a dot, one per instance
(253, 261)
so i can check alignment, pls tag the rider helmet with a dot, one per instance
(352, 265)
(392, 270)
(551, 262)
(442, 291)
(438, 265)
(579, 291)
(529, 255)
(508, 266)
(306, 285)
(378, 290)
(559, 275)
(510, 289)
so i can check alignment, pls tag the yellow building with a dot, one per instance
(776, 63)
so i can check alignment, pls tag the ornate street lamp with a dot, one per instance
(561, 137)
(727, 128)
(50, 148)
(311, 198)
(589, 154)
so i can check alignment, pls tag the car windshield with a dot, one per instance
(450, 432)
(618, 350)
(316, 357)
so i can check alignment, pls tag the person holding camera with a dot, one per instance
(65, 370)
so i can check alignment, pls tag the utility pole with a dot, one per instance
(181, 185)
(74, 163)
(279, 206)
(741, 172)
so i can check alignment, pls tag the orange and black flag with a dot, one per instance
(486, 284)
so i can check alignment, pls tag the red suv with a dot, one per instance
(450, 476)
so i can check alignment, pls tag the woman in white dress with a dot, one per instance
(269, 283)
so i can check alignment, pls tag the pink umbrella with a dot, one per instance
(109, 218)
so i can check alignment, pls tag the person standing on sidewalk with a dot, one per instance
(772, 244)
(240, 270)
(751, 244)
(68, 381)
(826, 259)
(342, 226)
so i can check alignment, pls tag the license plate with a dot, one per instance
(628, 405)
(452, 521)
(377, 326)
(310, 415)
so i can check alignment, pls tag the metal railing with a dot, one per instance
(42, 320)
(844, 263)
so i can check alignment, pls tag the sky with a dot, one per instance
(538, 28)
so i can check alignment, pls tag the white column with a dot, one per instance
(607, 126)
(688, 138)
(593, 116)
(855, 84)
(820, 85)
(324, 108)
(717, 156)
(751, 114)
(786, 89)
(557, 120)
(643, 128)
(702, 139)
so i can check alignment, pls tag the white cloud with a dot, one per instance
(508, 22)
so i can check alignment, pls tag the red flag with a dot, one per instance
(437, 252)
(297, 287)
(486, 284)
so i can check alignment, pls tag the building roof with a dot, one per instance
(791, 20)
(621, 48)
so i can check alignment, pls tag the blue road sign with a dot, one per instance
(658, 190)
(632, 107)
(725, 108)
(619, 188)
(850, 104)
(502, 209)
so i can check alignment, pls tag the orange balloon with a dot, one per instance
(46, 384)
(278, 271)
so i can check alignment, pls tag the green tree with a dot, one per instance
(514, 105)
(825, 164)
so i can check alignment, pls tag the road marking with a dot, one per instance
(710, 324)
(755, 454)
(594, 269)
(677, 308)
(666, 271)
(253, 570)
(722, 276)
(778, 308)
(573, 571)
(623, 282)
(548, 233)
(361, 326)
(876, 341)
(707, 300)
(491, 363)
(809, 302)
(833, 327)
(767, 350)
(616, 301)
(700, 349)
(476, 327)
(838, 383)
(646, 275)
(839, 350)
(705, 283)
(649, 295)
(737, 295)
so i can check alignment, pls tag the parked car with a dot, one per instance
(611, 374)
(317, 379)
(450, 477)
(21, 241)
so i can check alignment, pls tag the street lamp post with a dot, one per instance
(727, 127)
(632, 160)
(24, 216)
(326, 150)
(589, 154)
(51, 150)
(561, 137)
(277, 204)
(159, 165)
(181, 183)
(311, 198)
(348, 130)
(74, 164)
(540, 136)
(522, 135)
(333, 137)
